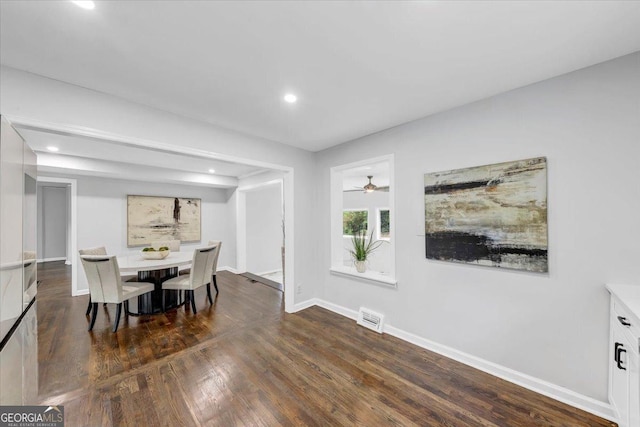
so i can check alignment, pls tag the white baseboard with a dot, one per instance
(229, 269)
(52, 259)
(264, 273)
(304, 304)
(562, 394)
(81, 292)
(543, 387)
(346, 312)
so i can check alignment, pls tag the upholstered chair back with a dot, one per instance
(218, 245)
(99, 250)
(173, 245)
(103, 275)
(202, 266)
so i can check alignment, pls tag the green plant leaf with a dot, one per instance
(363, 247)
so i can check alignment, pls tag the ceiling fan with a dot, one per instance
(370, 187)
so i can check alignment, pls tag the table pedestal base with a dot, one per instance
(151, 303)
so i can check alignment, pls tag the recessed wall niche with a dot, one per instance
(362, 203)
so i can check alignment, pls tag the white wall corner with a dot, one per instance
(564, 395)
(304, 305)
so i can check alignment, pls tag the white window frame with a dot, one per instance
(337, 238)
(379, 224)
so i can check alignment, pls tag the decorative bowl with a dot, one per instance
(155, 254)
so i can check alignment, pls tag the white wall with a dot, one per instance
(52, 222)
(551, 326)
(37, 98)
(264, 229)
(102, 215)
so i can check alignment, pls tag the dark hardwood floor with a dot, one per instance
(243, 361)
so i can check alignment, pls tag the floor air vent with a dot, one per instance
(370, 319)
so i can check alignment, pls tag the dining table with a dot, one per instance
(154, 271)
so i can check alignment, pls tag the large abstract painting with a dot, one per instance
(494, 215)
(162, 218)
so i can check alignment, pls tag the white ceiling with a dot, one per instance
(357, 67)
(356, 178)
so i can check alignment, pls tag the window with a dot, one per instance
(362, 199)
(354, 221)
(383, 224)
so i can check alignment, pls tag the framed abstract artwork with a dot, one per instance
(493, 215)
(151, 218)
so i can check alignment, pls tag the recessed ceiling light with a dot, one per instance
(52, 148)
(290, 98)
(85, 4)
(212, 171)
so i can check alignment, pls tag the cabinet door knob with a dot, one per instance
(623, 320)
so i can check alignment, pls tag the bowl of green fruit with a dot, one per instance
(152, 253)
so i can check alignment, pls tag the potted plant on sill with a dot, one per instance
(362, 247)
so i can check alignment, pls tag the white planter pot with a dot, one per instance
(361, 266)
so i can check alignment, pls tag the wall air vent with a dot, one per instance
(370, 319)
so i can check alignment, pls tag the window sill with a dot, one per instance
(368, 276)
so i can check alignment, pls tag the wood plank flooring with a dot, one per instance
(245, 362)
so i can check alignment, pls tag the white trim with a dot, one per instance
(73, 191)
(82, 292)
(343, 311)
(367, 276)
(74, 130)
(60, 258)
(289, 258)
(562, 394)
(241, 231)
(261, 185)
(227, 268)
(304, 305)
(266, 273)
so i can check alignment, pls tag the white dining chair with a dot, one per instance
(106, 285)
(30, 268)
(101, 250)
(214, 268)
(200, 275)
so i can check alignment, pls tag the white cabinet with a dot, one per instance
(18, 275)
(624, 356)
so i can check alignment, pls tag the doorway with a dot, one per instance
(53, 214)
(265, 232)
(57, 225)
(261, 233)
